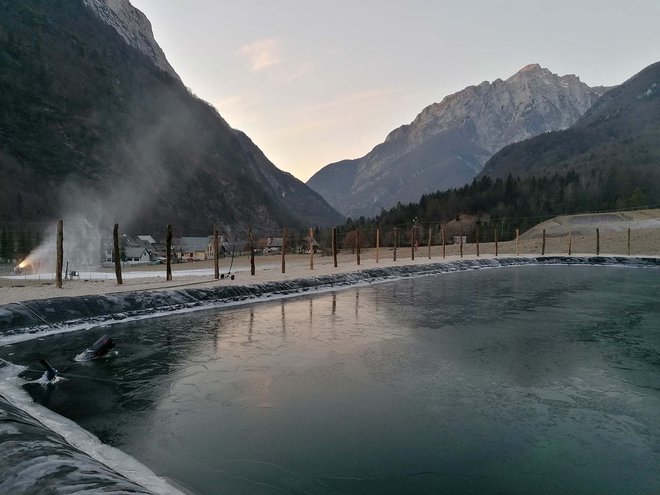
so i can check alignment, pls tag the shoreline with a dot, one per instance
(200, 274)
(40, 317)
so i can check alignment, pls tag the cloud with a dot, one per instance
(262, 54)
(291, 74)
(335, 113)
(353, 102)
(266, 56)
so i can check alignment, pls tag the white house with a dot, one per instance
(137, 255)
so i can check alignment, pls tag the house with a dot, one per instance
(157, 251)
(137, 255)
(304, 248)
(108, 248)
(274, 245)
(196, 248)
(126, 242)
(226, 247)
(147, 238)
(229, 248)
(135, 244)
(464, 225)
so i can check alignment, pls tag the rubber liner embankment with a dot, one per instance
(44, 314)
(35, 459)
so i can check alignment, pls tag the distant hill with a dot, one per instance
(585, 225)
(94, 121)
(449, 142)
(619, 135)
(608, 160)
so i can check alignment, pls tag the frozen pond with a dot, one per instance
(515, 380)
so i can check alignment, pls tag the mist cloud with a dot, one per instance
(262, 54)
(138, 171)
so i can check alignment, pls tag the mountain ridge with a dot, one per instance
(448, 143)
(134, 27)
(608, 161)
(92, 125)
(621, 128)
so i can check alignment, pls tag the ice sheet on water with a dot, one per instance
(45, 317)
(484, 379)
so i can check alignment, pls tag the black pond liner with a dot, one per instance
(33, 457)
(47, 314)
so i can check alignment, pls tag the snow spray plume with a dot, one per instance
(140, 177)
(82, 246)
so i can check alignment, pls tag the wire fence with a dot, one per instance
(634, 233)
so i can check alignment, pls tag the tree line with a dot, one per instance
(515, 202)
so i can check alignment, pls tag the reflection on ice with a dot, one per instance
(18, 321)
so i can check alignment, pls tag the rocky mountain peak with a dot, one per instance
(504, 105)
(614, 142)
(134, 27)
(449, 142)
(530, 68)
(534, 72)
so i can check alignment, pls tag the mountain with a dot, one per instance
(134, 27)
(95, 123)
(449, 142)
(608, 160)
(620, 134)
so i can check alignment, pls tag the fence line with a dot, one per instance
(372, 243)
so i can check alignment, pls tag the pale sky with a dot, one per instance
(314, 82)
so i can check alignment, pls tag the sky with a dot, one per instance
(313, 82)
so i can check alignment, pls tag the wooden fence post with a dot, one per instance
(543, 244)
(461, 240)
(396, 233)
(251, 244)
(377, 243)
(115, 236)
(168, 258)
(597, 242)
(216, 253)
(476, 234)
(495, 236)
(570, 243)
(311, 249)
(60, 254)
(628, 241)
(444, 243)
(517, 243)
(357, 241)
(412, 243)
(430, 234)
(284, 239)
(334, 245)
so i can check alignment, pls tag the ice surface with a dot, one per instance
(527, 380)
(23, 321)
